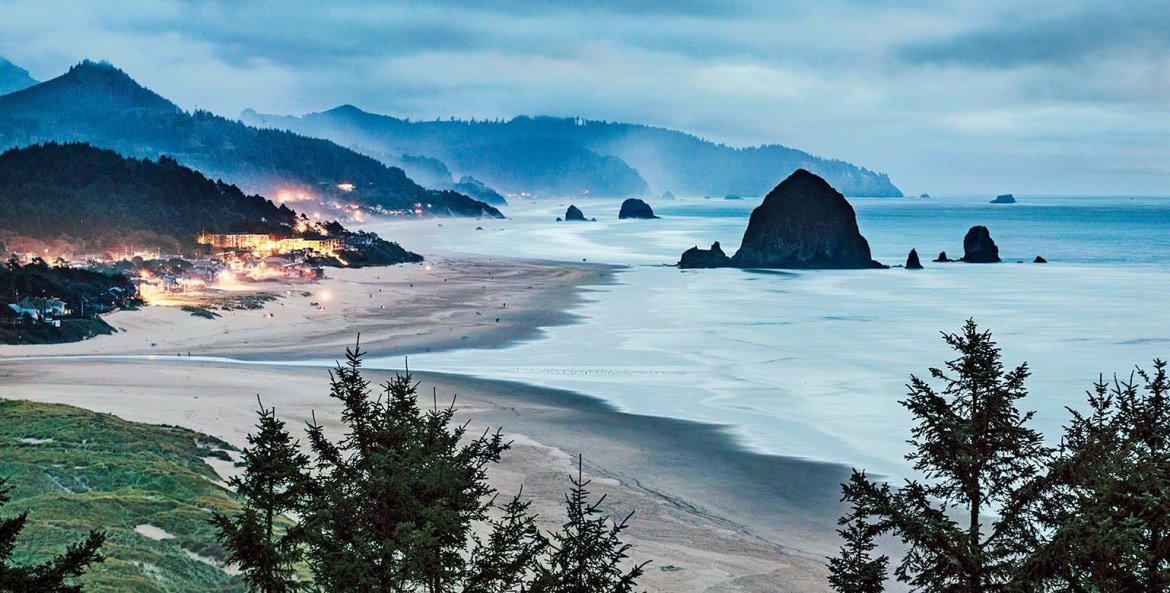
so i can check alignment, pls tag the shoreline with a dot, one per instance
(446, 303)
(711, 514)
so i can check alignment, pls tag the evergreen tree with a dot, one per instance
(980, 461)
(272, 484)
(514, 546)
(854, 569)
(58, 575)
(393, 501)
(587, 554)
(1107, 509)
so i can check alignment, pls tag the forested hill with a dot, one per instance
(13, 77)
(568, 155)
(101, 105)
(91, 198)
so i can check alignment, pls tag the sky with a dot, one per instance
(1064, 97)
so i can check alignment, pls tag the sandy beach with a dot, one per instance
(711, 516)
(444, 303)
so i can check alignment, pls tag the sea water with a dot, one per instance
(813, 364)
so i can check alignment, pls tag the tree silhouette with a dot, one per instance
(57, 575)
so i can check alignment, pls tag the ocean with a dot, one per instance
(812, 364)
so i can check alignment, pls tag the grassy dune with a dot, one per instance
(76, 470)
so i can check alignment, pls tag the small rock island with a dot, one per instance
(978, 248)
(635, 208)
(574, 214)
(912, 261)
(803, 223)
(1004, 199)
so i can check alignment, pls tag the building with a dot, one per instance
(40, 309)
(267, 244)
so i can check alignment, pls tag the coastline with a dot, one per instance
(448, 302)
(711, 515)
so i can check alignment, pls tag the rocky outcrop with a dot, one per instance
(804, 223)
(705, 258)
(942, 258)
(912, 261)
(635, 208)
(666, 195)
(978, 248)
(574, 214)
(1004, 199)
(1039, 260)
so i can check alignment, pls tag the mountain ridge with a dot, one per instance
(667, 160)
(97, 103)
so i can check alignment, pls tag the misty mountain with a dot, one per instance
(101, 105)
(570, 156)
(13, 77)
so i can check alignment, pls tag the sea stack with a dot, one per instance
(1039, 260)
(1004, 199)
(804, 223)
(704, 258)
(978, 248)
(635, 208)
(912, 262)
(574, 214)
(942, 258)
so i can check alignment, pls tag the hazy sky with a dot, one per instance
(988, 96)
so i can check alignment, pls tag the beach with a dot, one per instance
(710, 515)
(444, 303)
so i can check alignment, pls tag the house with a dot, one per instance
(40, 309)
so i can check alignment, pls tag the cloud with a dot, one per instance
(945, 95)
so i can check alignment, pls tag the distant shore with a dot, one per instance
(444, 303)
(711, 515)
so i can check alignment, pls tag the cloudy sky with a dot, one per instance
(947, 96)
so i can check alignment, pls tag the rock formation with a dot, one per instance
(804, 223)
(1039, 260)
(912, 262)
(635, 208)
(666, 195)
(574, 214)
(705, 258)
(1004, 199)
(978, 248)
(942, 258)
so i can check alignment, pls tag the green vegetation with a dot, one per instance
(200, 311)
(99, 104)
(996, 510)
(75, 471)
(391, 507)
(70, 330)
(85, 294)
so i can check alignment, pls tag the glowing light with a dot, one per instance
(346, 187)
(325, 296)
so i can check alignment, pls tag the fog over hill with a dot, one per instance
(572, 156)
(13, 77)
(102, 105)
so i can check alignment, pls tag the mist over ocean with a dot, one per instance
(813, 363)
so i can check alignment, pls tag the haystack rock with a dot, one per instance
(912, 262)
(804, 223)
(942, 258)
(635, 208)
(574, 214)
(1039, 260)
(705, 258)
(978, 248)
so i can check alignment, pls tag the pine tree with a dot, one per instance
(514, 546)
(1108, 504)
(271, 485)
(587, 554)
(980, 461)
(854, 569)
(58, 575)
(393, 501)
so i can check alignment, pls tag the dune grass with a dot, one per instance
(76, 470)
